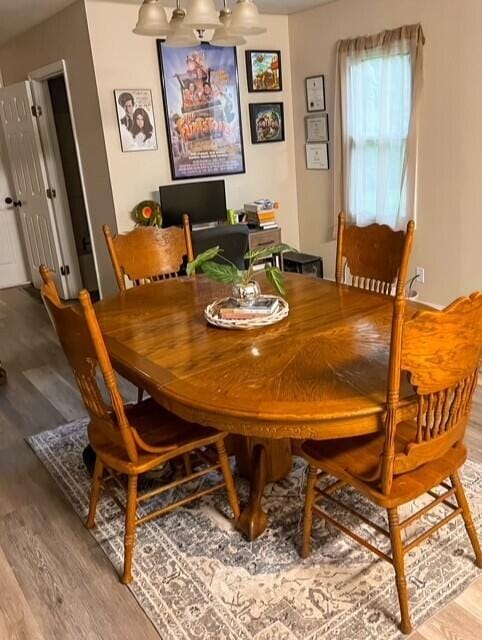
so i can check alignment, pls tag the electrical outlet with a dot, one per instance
(420, 272)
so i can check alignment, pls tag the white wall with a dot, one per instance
(65, 36)
(125, 60)
(448, 238)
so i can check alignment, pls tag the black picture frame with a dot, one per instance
(229, 103)
(255, 83)
(317, 116)
(261, 109)
(321, 146)
(310, 108)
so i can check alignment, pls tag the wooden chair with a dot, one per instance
(149, 254)
(376, 256)
(439, 352)
(130, 440)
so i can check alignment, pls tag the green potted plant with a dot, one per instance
(245, 287)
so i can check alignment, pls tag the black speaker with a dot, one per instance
(303, 263)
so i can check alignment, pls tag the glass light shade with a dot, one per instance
(245, 21)
(152, 19)
(202, 14)
(223, 36)
(180, 35)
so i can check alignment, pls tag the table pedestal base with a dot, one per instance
(261, 461)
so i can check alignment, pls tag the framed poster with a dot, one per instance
(201, 104)
(317, 156)
(135, 117)
(267, 122)
(263, 69)
(316, 128)
(315, 93)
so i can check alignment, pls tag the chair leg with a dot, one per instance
(308, 517)
(399, 566)
(228, 478)
(130, 528)
(95, 493)
(140, 395)
(187, 464)
(467, 516)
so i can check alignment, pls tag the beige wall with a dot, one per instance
(65, 36)
(448, 240)
(124, 60)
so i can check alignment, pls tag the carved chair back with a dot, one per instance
(440, 352)
(81, 339)
(149, 254)
(375, 256)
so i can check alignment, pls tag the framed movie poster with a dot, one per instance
(201, 104)
(267, 122)
(264, 71)
(135, 117)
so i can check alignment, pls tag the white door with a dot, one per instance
(30, 184)
(13, 270)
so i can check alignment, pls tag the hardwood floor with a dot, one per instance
(55, 582)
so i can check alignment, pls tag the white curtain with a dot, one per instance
(378, 88)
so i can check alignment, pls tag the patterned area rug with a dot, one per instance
(197, 578)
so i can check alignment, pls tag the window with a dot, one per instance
(378, 118)
(378, 88)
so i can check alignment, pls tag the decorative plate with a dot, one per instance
(211, 313)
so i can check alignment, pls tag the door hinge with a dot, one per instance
(65, 270)
(51, 193)
(36, 110)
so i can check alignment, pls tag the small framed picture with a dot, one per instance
(316, 128)
(317, 156)
(267, 122)
(263, 69)
(315, 93)
(135, 117)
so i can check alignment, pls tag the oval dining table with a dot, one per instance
(321, 373)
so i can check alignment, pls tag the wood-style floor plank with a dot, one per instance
(17, 621)
(60, 393)
(55, 581)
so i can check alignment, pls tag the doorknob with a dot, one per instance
(8, 200)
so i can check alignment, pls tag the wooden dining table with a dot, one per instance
(321, 373)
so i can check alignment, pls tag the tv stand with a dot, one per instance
(263, 238)
(235, 240)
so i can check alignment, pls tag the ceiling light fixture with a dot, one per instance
(202, 14)
(180, 35)
(222, 36)
(152, 19)
(245, 21)
(200, 22)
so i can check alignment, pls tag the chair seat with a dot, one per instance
(356, 461)
(157, 427)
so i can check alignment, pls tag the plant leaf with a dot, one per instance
(203, 257)
(275, 277)
(266, 252)
(224, 273)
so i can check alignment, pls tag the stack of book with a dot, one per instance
(230, 309)
(262, 213)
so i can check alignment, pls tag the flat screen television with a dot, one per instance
(204, 202)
